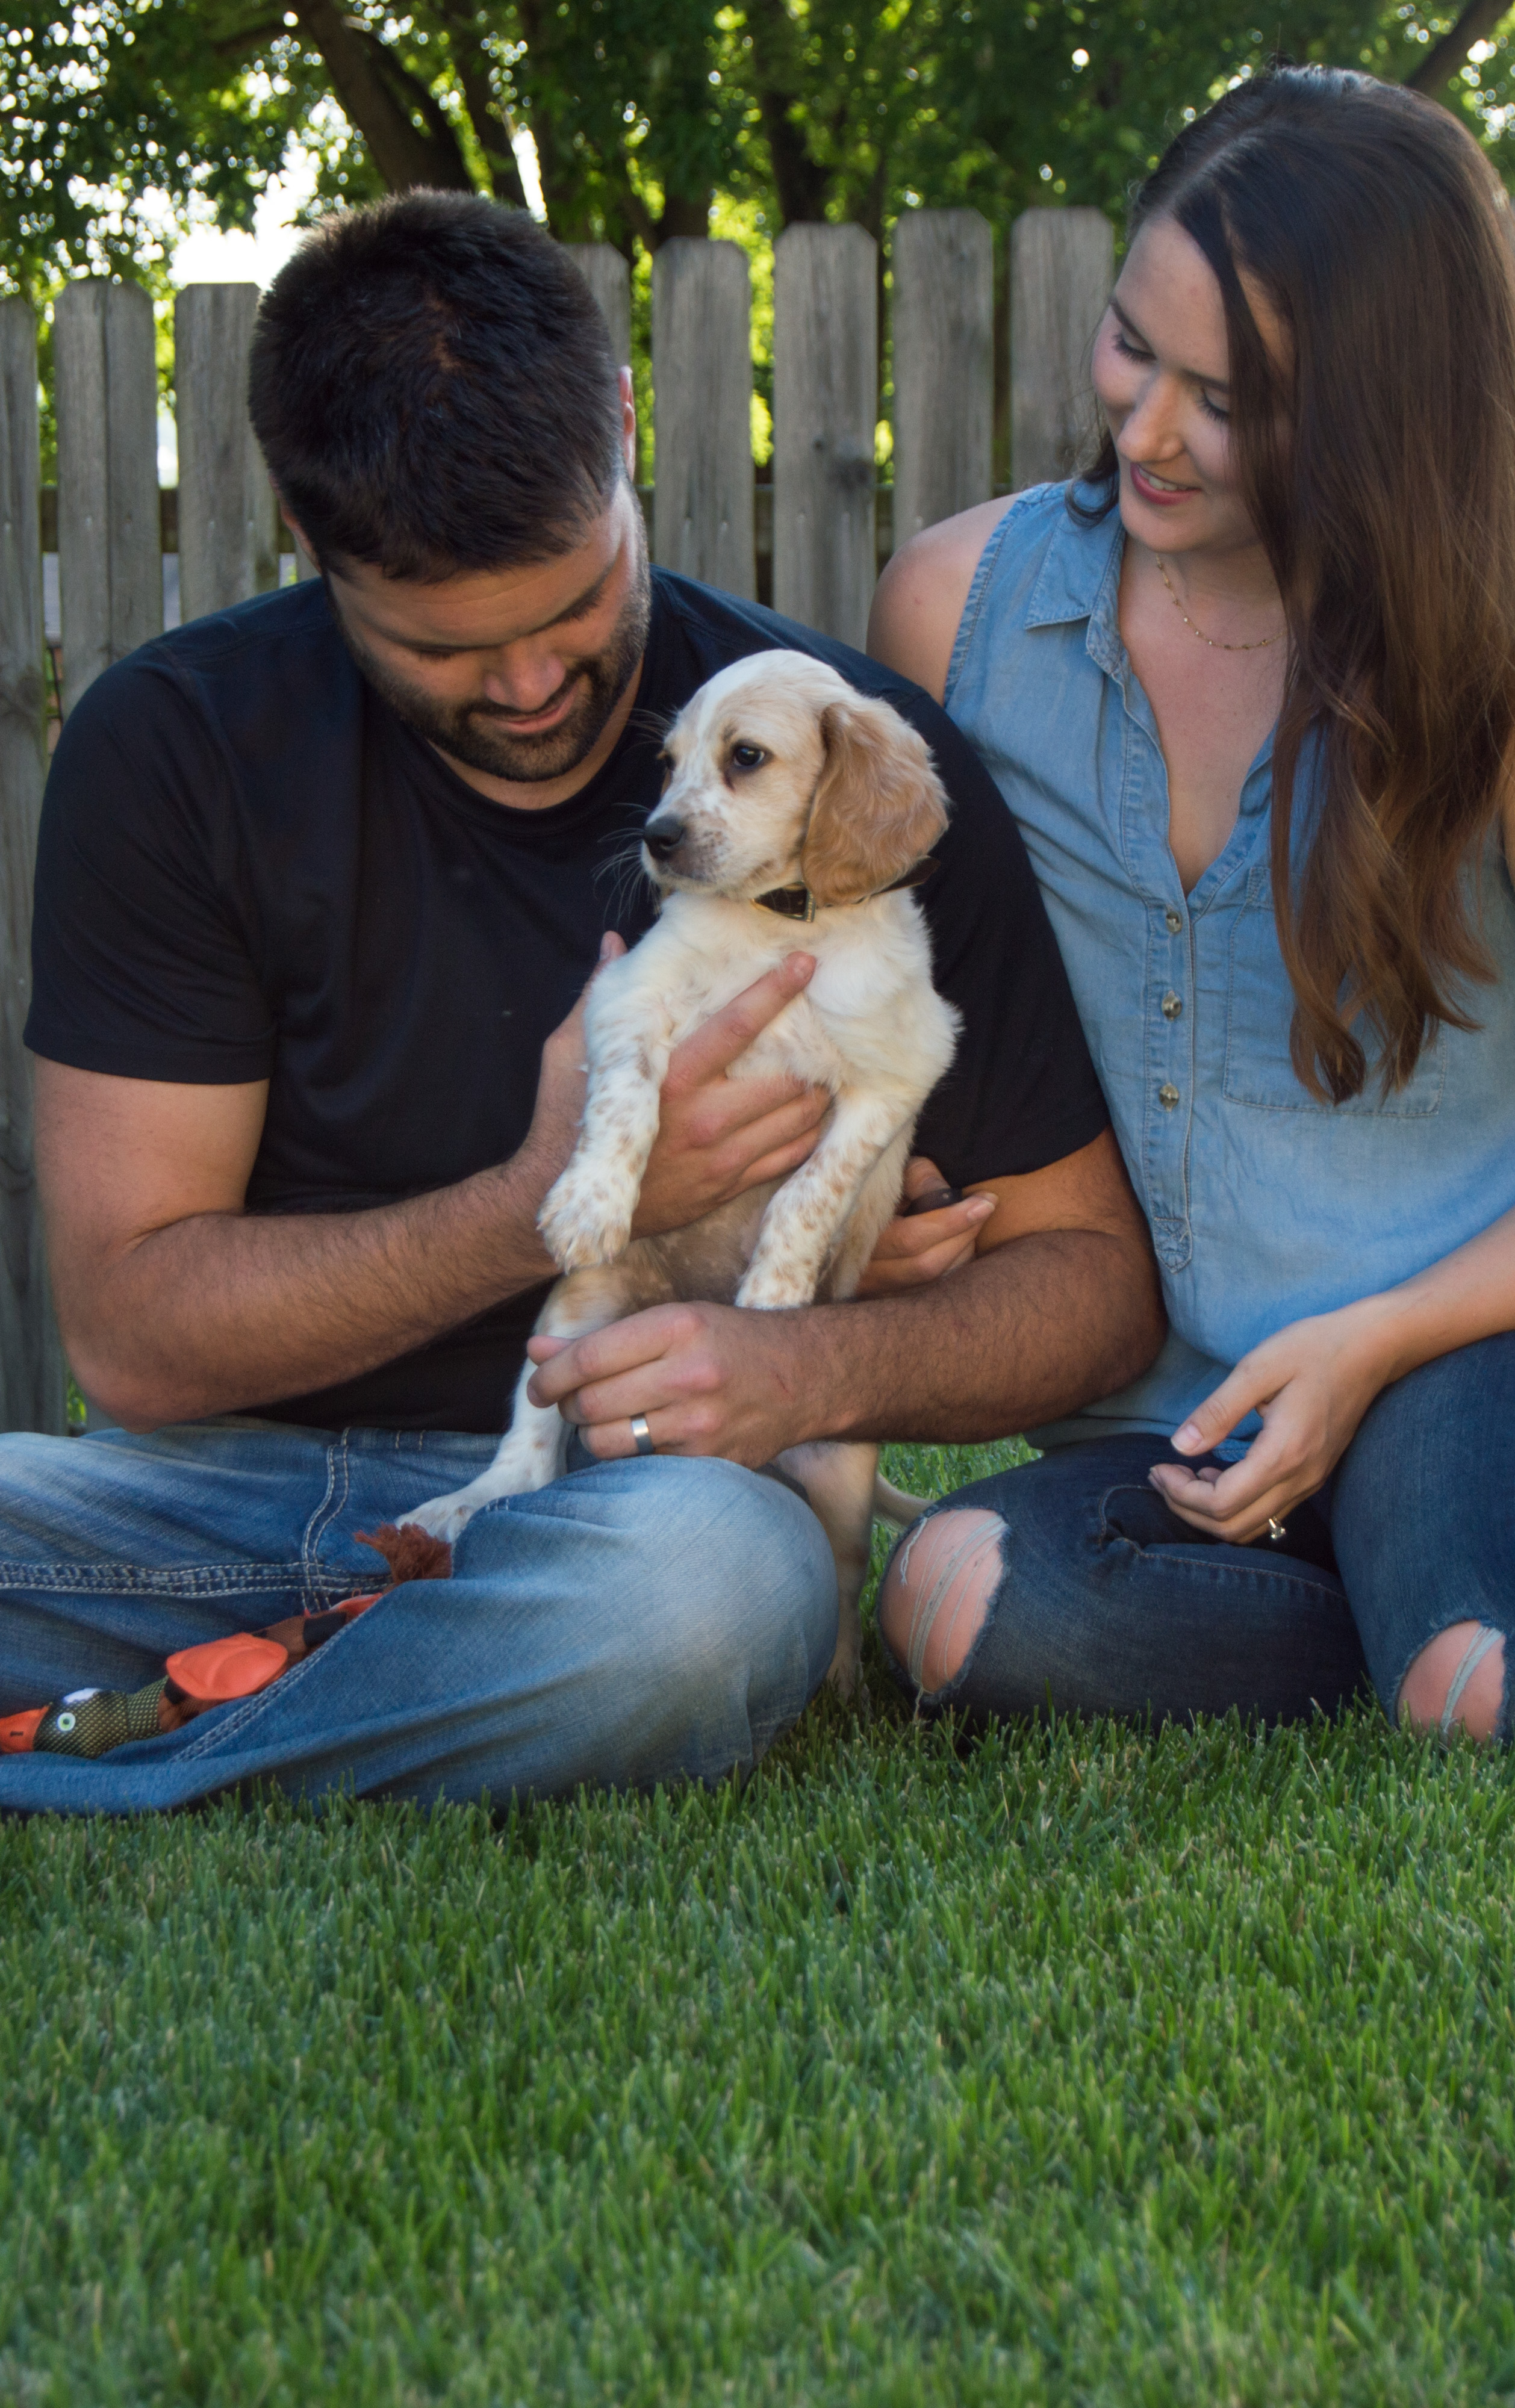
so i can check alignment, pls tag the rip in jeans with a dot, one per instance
(963, 1562)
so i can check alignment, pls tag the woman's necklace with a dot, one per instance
(1216, 646)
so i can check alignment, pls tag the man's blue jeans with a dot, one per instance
(1108, 1603)
(643, 1621)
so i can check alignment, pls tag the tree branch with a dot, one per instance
(490, 120)
(226, 46)
(372, 91)
(1444, 59)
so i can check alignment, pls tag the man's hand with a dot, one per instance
(712, 1380)
(717, 1137)
(919, 1247)
(708, 1379)
(1062, 1305)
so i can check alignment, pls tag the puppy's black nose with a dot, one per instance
(663, 837)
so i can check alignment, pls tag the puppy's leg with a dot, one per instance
(586, 1217)
(838, 1480)
(874, 1209)
(800, 1225)
(532, 1451)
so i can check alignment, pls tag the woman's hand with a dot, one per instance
(1311, 1384)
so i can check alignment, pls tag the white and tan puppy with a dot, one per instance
(791, 797)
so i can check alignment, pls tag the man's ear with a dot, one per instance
(629, 424)
(301, 539)
(879, 806)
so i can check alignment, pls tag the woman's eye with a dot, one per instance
(1127, 348)
(748, 756)
(1213, 410)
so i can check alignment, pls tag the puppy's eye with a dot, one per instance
(748, 756)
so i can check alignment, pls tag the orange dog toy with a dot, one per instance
(93, 1722)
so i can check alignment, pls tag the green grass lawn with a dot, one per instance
(1082, 2064)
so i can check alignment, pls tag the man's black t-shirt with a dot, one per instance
(250, 868)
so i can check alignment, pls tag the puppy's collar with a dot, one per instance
(798, 903)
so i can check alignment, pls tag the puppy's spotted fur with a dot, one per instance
(781, 775)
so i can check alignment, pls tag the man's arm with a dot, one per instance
(1062, 1306)
(174, 1302)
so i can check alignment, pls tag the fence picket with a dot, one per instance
(702, 516)
(110, 563)
(32, 1376)
(1061, 267)
(609, 279)
(825, 413)
(943, 365)
(227, 526)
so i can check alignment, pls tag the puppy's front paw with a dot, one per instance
(445, 1517)
(767, 1287)
(586, 1219)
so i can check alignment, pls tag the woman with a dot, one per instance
(1249, 689)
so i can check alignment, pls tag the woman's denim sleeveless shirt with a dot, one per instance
(1265, 1205)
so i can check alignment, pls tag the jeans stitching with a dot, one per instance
(1262, 1570)
(321, 1519)
(134, 1580)
(307, 1538)
(1261, 1567)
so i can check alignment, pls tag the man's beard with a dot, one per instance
(479, 734)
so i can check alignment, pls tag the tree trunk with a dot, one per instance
(364, 83)
(801, 182)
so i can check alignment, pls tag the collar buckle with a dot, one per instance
(798, 903)
(789, 902)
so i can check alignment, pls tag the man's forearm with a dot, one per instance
(1042, 1326)
(225, 1311)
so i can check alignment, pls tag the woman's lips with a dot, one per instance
(1157, 494)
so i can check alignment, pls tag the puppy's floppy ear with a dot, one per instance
(879, 805)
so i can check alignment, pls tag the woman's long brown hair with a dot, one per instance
(1378, 466)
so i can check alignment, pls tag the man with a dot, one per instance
(320, 882)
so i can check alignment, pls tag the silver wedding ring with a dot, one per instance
(1275, 1530)
(644, 1437)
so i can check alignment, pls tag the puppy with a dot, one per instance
(792, 798)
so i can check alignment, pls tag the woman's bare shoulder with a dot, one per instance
(913, 622)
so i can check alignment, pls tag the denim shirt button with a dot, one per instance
(1167, 1095)
(1173, 1005)
(1175, 920)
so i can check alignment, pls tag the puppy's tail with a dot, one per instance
(892, 1504)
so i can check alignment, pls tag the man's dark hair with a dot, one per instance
(433, 387)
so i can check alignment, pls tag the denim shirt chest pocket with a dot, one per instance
(1259, 1006)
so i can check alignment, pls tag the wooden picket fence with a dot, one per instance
(816, 524)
